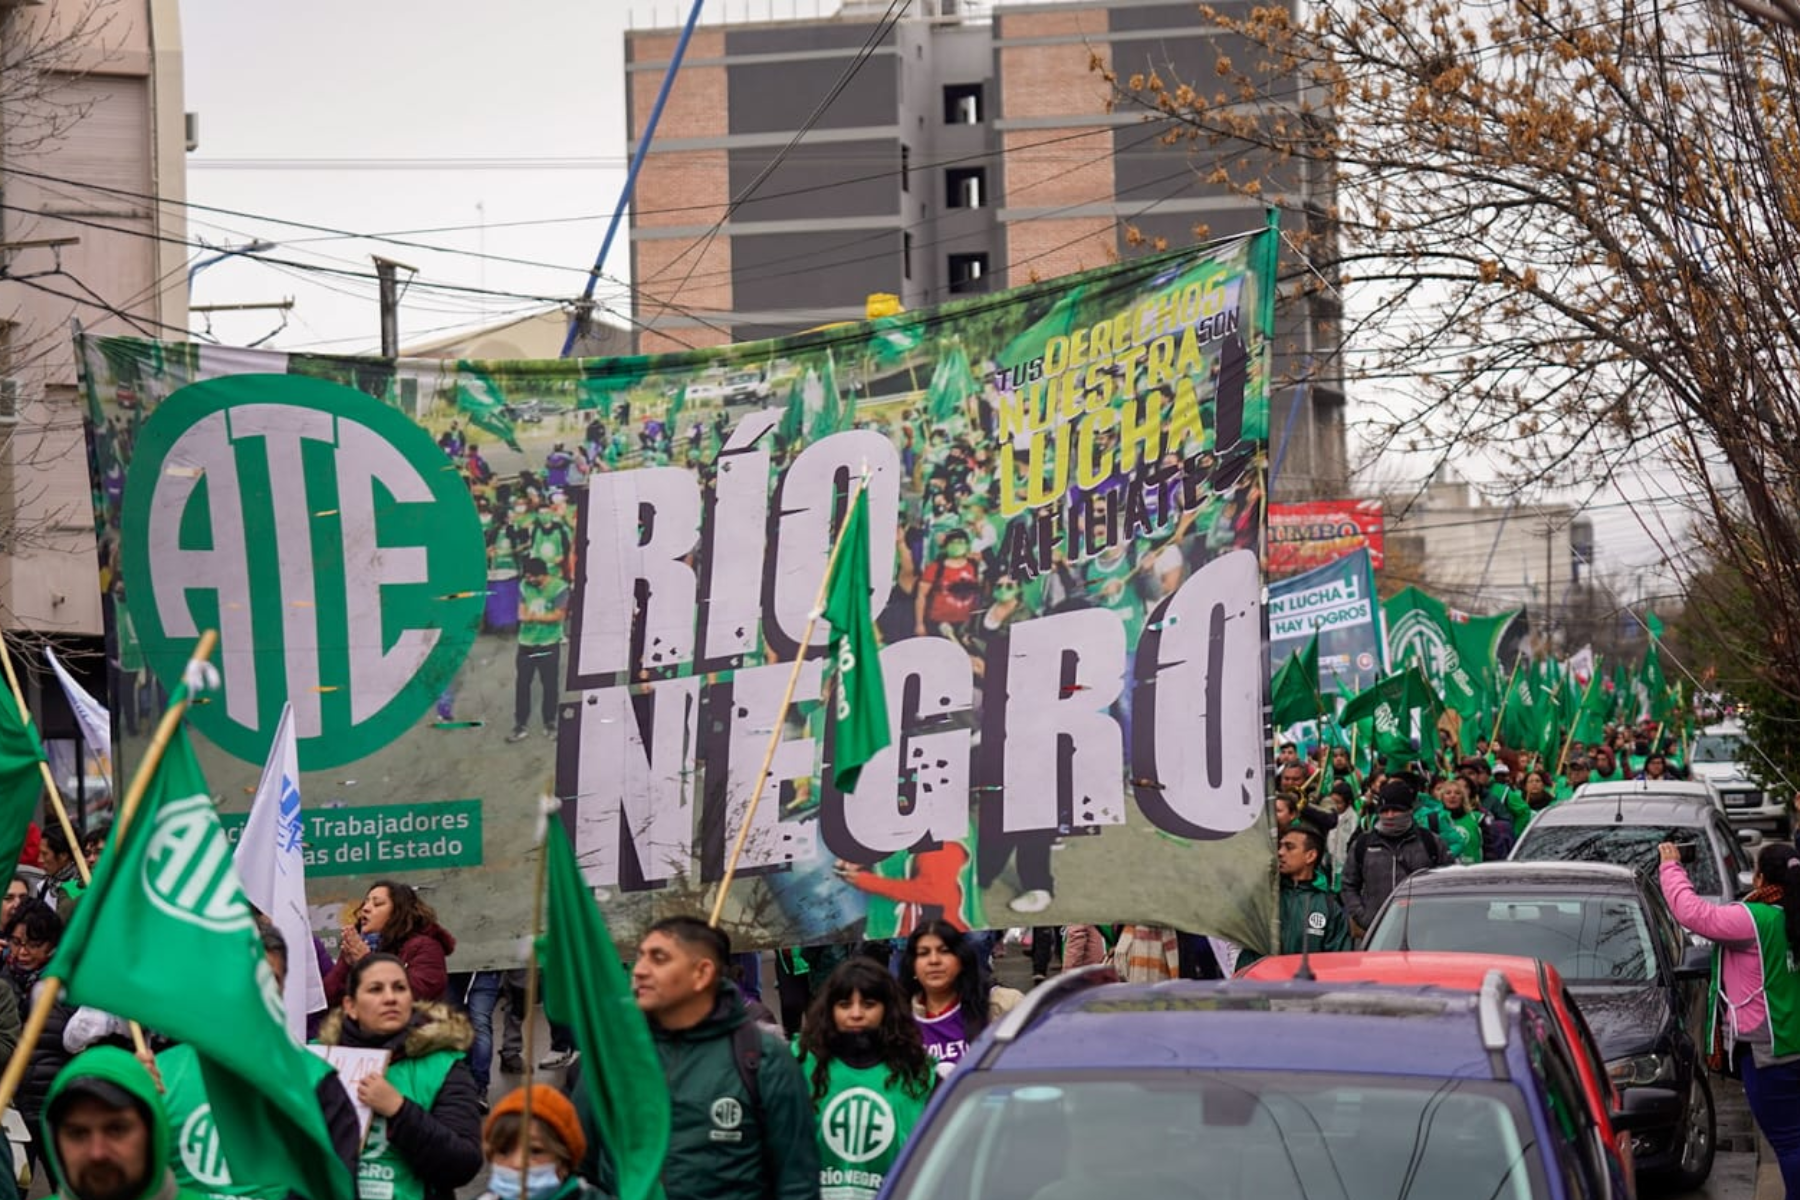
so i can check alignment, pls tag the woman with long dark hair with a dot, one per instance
(1754, 1011)
(859, 1037)
(952, 998)
(394, 918)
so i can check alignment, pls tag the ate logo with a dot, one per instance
(328, 540)
(188, 872)
(201, 1154)
(858, 1125)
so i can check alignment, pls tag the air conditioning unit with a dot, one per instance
(11, 400)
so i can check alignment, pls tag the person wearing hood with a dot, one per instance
(1386, 853)
(395, 919)
(33, 935)
(740, 1124)
(425, 1140)
(105, 1134)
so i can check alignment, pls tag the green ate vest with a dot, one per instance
(382, 1174)
(1780, 980)
(199, 1161)
(863, 1122)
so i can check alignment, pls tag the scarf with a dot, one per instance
(1393, 824)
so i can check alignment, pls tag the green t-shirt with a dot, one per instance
(541, 601)
(863, 1121)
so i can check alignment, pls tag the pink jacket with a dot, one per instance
(1740, 964)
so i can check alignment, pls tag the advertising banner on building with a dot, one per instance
(1337, 601)
(484, 583)
(1305, 536)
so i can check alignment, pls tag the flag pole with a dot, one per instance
(531, 966)
(787, 700)
(51, 987)
(1500, 716)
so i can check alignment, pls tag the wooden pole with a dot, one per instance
(528, 1021)
(50, 989)
(1504, 696)
(787, 700)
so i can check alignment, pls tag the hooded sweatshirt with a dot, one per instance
(119, 1068)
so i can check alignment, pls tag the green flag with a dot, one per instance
(951, 384)
(1521, 725)
(860, 705)
(21, 779)
(828, 416)
(1596, 705)
(586, 988)
(1419, 631)
(479, 398)
(169, 884)
(1294, 693)
(793, 417)
(1477, 641)
(1389, 706)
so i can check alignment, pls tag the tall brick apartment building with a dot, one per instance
(966, 153)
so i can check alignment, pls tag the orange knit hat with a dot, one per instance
(549, 1106)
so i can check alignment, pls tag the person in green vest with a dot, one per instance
(106, 1136)
(1505, 800)
(539, 1164)
(1754, 1007)
(1459, 825)
(1578, 771)
(869, 1076)
(1606, 765)
(425, 1139)
(199, 1161)
(543, 605)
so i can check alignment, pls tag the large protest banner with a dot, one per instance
(1338, 601)
(481, 582)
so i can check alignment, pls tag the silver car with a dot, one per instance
(1623, 823)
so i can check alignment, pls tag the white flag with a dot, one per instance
(1581, 665)
(272, 863)
(90, 714)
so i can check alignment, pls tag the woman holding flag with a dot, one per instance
(425, 1140)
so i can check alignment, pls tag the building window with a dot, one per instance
(905, 167)
(968, 273)
(962, 104)
(906, 256)
(965, 187)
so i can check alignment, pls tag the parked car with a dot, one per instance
(1095, 1091)
(1721, 755)
(1534, 982)
(1613, 826)
(1639, 982)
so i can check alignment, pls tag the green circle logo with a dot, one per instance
(327, 539)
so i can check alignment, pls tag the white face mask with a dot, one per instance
(542, 1180)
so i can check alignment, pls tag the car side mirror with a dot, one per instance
(1746, 880)
(1696, 963)
(1746, 836)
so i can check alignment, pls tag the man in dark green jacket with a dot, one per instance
(729, 1138)
(1312, 918)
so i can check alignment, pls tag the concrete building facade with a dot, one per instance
(962, 155)
(93, 138)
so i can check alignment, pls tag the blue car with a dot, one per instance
(1097, 1090)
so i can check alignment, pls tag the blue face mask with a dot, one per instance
(542, 1180)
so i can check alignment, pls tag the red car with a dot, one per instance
(1530, 979)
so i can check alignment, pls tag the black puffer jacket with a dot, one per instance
(48, 1057)
(1378, 863)
(442, 1144)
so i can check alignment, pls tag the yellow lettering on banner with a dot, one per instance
(1068, 405)
(1121, 332)
(1127, 361)
(1056, 355)
(1140, 431)
(1099, 387)
(1214, 302)
(1100, 342)
(1092, 469)
(1036, 491)
(1078, 348)
(1190, 304)
(1184, 416)
(1190, 361)
(1010, 504)
(1161, 367)
(1013, 416)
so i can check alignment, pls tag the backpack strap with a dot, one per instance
(747, 1055)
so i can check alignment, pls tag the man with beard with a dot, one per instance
(105, 1131)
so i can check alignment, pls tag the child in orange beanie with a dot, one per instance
(540, 1166)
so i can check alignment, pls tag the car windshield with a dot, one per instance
(1717, 748)
(1594, 939)
(1631, 846)
(1255, 1134)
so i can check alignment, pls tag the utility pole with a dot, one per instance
(385, 269)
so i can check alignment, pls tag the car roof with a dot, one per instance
(1640, 808)
(1254, 1024)
(1698, 789)
(1436, 968)
(1505, 876)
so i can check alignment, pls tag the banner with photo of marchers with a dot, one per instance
(483, 582)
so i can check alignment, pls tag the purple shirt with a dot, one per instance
(945, 1039)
